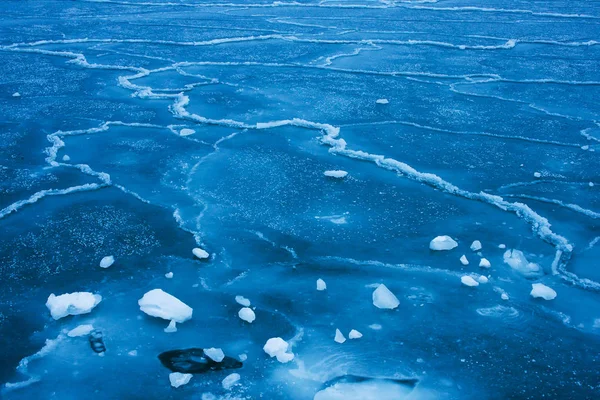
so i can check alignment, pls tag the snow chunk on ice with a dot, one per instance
(169, 275)
(383, 298)
(339, 336)
(382, 101)
(354, 334)
(277, 347)
(476, 245)
(216, 355)
(72, 304)
(484, 263)
(241, 300)
(172, 327)
(201, 254)
(178, 379)
(539, 290)
(443, 243)
(516, 259)
(158, 303)
(247, 314)
(321, 285)
(463, 260)
(81, 330)
(468, 281)
(335, 174)
(66, 158)
(16, 94)
(186, 132)
(107, 262)
(230, 380)
(482, 279)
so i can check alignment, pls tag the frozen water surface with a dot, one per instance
(200, 141)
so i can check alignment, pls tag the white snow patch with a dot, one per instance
(201, 254)
(72, 304)
(247, 314)
(186, 132)
(382, 101)
(321, 285)
(241, 300)
(476, 245)
(354, 334)
(383, 298)
(442, 243)
(172, 327)
(463, 260)
(169, 275)
(81, 330)
(158, 303)
(468, 281)
(107, 262)
(517, 261)
(539, 290)
(484, 263)
(214, 354)
(178, 379)
(230, 380)
(277, 347)
(339, 336)
(335, 174)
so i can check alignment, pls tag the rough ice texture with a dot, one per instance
(335, 174)
(158, 303)
(382, 101)
(72, 304)
(539, 290)
(247, 314)
(186, 132)
(383, 298)
(201, 254)
(484, 263)
(214, 354)
(463, 260)
(321, 285)
(517, 261)
(230, 380)
(277, 347)
(476, 245)
(468, 281)
(107, 262)
(178, 379)
(81, 330)
(241, 300)
(443, 243)
(339, 336)
(354, 334)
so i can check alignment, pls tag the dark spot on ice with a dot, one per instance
(194, 361)
(96, 342)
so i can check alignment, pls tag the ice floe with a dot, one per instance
(484, 263)
(539, 290)
(158, 303)
(178, 379)
(186, 132)
(241, 300)
(215, 354)
(107, 261)
(354, 334)
(384, 298)
(200, 253)
(72, 304)
(81, 330)
(247, 314)
(339, 336)
(468, 281)
(382, 101)
(517, 261)
(230, 380)
(442, 243)
(277, 347)
(476, 245)
(463, 260)
(321, 285)
(339, 174)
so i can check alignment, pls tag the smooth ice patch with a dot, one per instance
(468, 281)
(178, 379)
(158, 303)
(200, 253)
(339, 336)
(107, 262)
(354, 334)
(440, 243)
(339, 174)
(484, 263)
(215, 354)
(476, 245)
(241, 300)
(81, 330)
(247, 314)
(463, 260)
(539, 290)
(72, 304)
(321, 285)
(230, 380)
(277, 347)
(383, 298)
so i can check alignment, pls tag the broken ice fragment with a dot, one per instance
(504, 296)
(463, 260)
(354, 334)
(230, 380)
(442, 243)
(501, 246)
(72, 304)
(517, 261)
(476, 245)
(178, 379)
(169, 275)
(468, 281)
(107, 262)
(172, 327)
(382, 101)
(339, 336)
(321, 285)
(383, 298)
(277, 347)
(81, 330)
(16, 94)
(482, 279)
(201, 254)
(186, 132)
(66, 158)
(214, 354)
(339, 174)
(537, 174)
(539, 290)
(247, 314)
(241, 300)
(158, 303)
(484, 263)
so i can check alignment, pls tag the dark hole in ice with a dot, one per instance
(96, 342)
(194, 361)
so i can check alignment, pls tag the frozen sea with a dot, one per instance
(144, 129)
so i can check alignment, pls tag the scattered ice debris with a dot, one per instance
(482, 279)
(539, 290)
(484, 263)
(321, 285)
(66, 158)
(169, 275)
(383, 298)
(230, 380)
(214, 354)
(241, 300)
(382, 101)
(504, 296)
(517, 261)
(463, 260)
(277, 347)
(375, 327)
(354, 334)
(442, 243)
(476, 245)
(186, 132)
(81, 330)
(158, 303)
(537, 174)
(132, 353)
(201, 254)
(178, 379)
(72, 304)
(16, 94)
(172, 327)
(339, 336)
(107, 262)
(502, 246)
(247, 314)
(468, 281)
(339, 174)
(96, 342)
(195, 361)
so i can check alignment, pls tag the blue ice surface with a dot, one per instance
(482, 96)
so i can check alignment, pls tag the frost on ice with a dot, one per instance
(339, 174)
(539, 290)
(463, 260)
(277, 347)
(339, 336)
(517, 261)
(201, 254)
(107, 262)
(484, 263)
(241, 300)
(230, 380)
(383, 298)
(81, 330)
(321, 285)
(468, 281)
(247, 314)
(354, 334)
(158, 303)
(178, 379)
(443, 243)
(214, 354)
(72, 304)
(476, 245)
